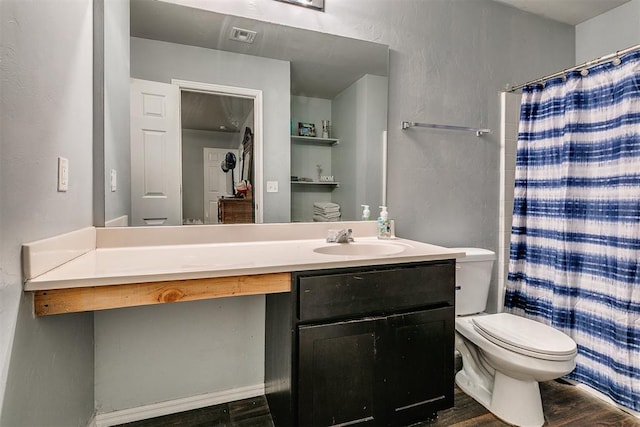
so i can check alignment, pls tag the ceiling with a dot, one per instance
(570, 12)
(212, 112)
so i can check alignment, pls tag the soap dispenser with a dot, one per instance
(366, 213)
(384, 225)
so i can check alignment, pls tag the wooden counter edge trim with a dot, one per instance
(73, 300)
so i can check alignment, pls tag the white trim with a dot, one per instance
(242, 92)
(602, 397)
(177, 405)
(121, 221)
(502, 211)
(44, 255)
(508, 144)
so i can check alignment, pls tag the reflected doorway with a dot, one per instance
(217, 156)
(215, 183)
(171, 124)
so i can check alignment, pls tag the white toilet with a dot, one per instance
(504, 356)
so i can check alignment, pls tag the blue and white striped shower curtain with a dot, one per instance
(575, 240)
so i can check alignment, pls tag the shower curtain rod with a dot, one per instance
(578, 67)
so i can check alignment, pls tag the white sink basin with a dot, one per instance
(360, 249)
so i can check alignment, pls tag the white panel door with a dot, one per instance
(156, 174)
(215, 183)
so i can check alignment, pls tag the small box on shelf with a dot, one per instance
(306, 129)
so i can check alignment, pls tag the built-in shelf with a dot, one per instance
(314, 140)
(332, 183)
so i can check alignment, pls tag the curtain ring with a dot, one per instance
(584, 72)
(564, 77)
(616, 61)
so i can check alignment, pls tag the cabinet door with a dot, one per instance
(420, 364)
(340, 374)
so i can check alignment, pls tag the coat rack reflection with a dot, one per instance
(478, 131)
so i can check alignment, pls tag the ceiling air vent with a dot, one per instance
(241, 35)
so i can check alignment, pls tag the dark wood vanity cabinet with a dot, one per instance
(362, 346)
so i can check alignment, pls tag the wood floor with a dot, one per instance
(564, 405)
(242, 413)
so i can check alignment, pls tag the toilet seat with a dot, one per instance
(525, 336)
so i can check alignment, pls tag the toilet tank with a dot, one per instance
(473, 277)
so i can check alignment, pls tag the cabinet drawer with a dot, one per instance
(374, 291)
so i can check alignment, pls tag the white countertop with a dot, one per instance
(136, 264)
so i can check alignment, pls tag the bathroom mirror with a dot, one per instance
(291, 75)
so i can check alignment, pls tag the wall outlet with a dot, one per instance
(63, 174)
(272, 186)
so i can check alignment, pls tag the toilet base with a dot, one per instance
(479, 394)
(514, 401)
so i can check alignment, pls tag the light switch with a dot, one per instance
(272, 186)
(114, 180)
(63, 174)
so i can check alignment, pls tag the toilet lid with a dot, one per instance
(525, 336)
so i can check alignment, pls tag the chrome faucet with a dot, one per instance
(340, 236)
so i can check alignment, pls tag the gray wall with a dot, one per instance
(45, 112)
(348, 122)
(371, 144)
(359, 117)
(614, 30)
(443, 186)
(510, 122)
(117, 154)
(151, 354)
(161, 61)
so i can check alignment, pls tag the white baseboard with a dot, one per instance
(121, 221)
(176, 405)
(602, 396)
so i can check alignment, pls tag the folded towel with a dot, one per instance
(325, 205)
(324, 211)
(328, 214)
(327, 209)
(319, 218)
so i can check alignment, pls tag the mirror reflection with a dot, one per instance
(217, 133)
(286, 128)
